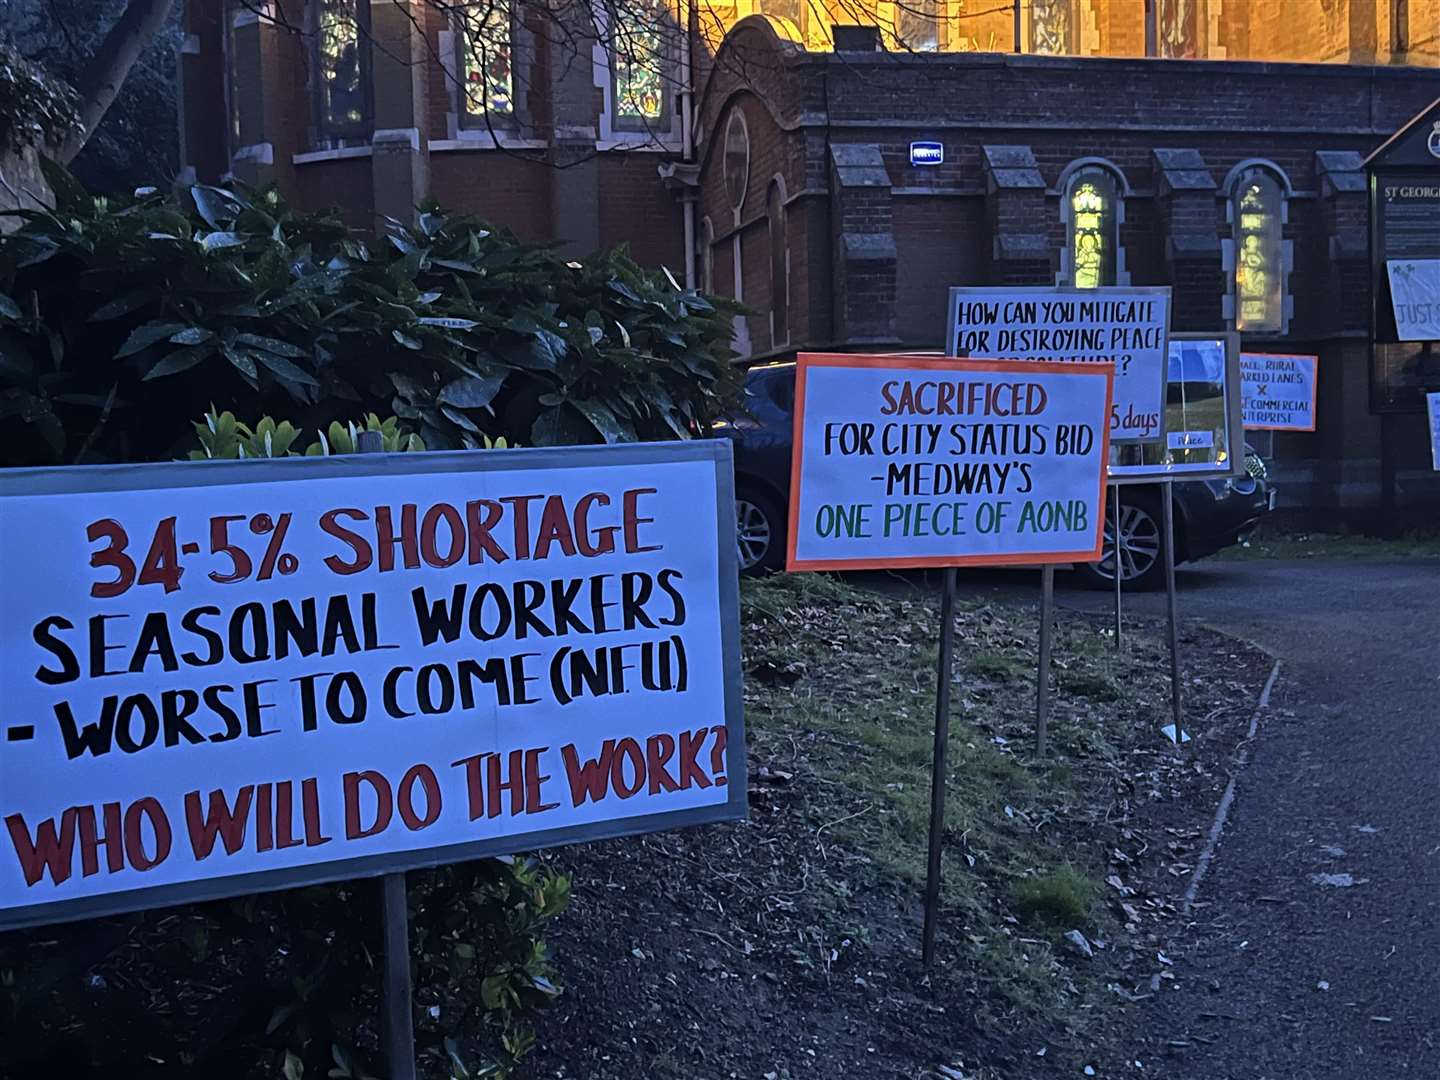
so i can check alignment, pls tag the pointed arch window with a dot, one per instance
(779, 266)
(485, 61)
(1092, 233)
(642, 55)
(1257, 216)
(342, 68)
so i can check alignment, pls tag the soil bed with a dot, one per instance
(788, 945)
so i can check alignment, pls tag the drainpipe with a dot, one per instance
(687, 140)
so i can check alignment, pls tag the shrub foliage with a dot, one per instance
(122, 318)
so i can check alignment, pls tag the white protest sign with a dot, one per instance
(226, 677)
(1121, 325)
(1415, 298)
(912, 461)
(1432, 407)
(1278, 392)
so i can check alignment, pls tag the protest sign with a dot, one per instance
(1432, 408)
(1121, 325)
(1415, 298)
(1203, 434)
(235, 676)
(1278, 392)
(910, 461)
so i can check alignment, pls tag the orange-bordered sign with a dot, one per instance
(908, 461)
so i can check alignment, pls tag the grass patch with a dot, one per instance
(1060, 899)
(1329, 546)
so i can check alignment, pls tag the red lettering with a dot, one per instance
(588, 779)
(590, 547)
(554, 528)
(533, 779)
(658, 750)
(429, 544)
(383, 803)
(425, 776)
(633, 520)
(690, 770)
(221, 820)
(149, 809)
(310, 807)
(408, 541)
(114, 839)
(49, 850)
(480, 538)
(357, 543)
(284, 807)
(627, 750)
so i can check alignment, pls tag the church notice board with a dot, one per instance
(228, 677)
(904, 461)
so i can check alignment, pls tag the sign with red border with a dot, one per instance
(1278, 392)
(905, 461)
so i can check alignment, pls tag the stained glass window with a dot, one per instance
(641, 56)
(1052, 27)
(1092, 238)
(1177, 28)
(340, 44)
(917, 24)
(487, 74)
(1259, 270)
(779, 268)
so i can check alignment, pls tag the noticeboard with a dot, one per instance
(1204, 435)
(227, 677)
(1122, 325)
(904, 461)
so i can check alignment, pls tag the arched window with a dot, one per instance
(917, 25)
(737, 159)
(779, 266)
(342, 68)
(485, 62)
(641, 53)
(1052, 27)
(1092, 235)
(1257, 215)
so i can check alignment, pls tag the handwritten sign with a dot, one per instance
(1432, 408)
(1123, 326)
(227, 677)
(910, 461)
(1415, 298)
(1278, 392)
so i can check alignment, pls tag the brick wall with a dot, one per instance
(510, 189)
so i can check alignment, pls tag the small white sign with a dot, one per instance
(1415, 298)
(1191, 440)
(1278, 392)
(1432, 406)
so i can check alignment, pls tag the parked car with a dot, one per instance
(1209, 514)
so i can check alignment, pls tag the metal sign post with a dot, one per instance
(1115, 498)
(1168, 515)
(397, 1021)
(1042, 678)
(943, 676)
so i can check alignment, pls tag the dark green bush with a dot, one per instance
(120, 319)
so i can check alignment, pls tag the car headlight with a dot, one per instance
(1255, 466)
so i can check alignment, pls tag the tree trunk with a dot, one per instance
(105, 73)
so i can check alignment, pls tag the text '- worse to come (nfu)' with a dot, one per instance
(275, 675)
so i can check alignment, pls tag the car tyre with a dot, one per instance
(1142, 552)
(759, 531)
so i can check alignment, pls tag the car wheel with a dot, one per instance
(1142, 562)
(759, 532)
